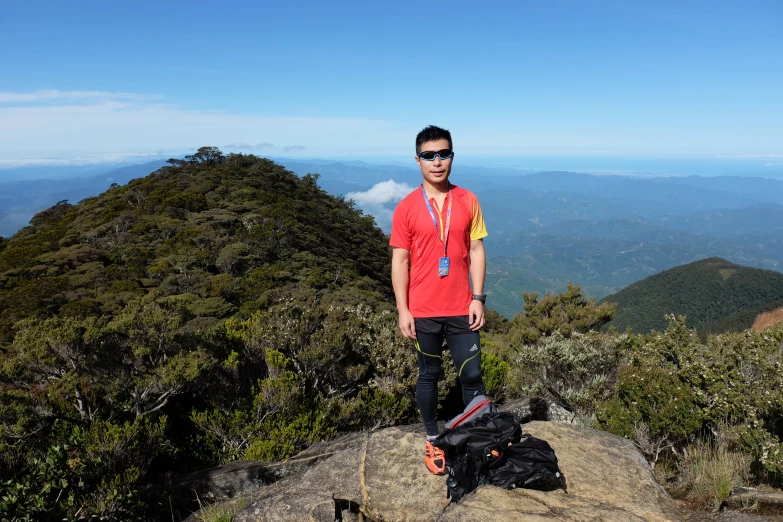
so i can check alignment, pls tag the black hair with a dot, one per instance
(432, 133)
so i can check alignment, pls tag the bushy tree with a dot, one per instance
(155, 360)
(676, 388)
(566, 313)
(323, 369)
(96, 471)
(61, 362)
(576, 372)
(69, 451)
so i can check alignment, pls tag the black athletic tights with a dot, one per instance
(465, 348)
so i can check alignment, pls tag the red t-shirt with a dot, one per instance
(429, 294)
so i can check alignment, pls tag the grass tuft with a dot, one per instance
(220, 511)
(710, 470)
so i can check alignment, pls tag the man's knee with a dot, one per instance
(430, 373)
(470, 375)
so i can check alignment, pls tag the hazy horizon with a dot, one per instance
(755, 166)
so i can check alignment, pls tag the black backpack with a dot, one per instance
(476, 452)
(530, 463)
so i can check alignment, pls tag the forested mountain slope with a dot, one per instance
(226, 232)
(714, 294)
(220, 308)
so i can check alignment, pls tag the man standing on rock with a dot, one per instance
(438, 249)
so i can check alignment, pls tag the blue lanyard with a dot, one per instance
(435, 219)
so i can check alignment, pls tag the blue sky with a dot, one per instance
(81, 81)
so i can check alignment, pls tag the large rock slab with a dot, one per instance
(234, 479)
(311, 496)
(606, 471)
(381, 477)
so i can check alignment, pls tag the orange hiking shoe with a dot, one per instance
(434, 459)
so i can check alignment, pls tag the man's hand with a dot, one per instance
(476, 315)
(408, 326)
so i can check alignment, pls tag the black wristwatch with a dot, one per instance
(482, 298)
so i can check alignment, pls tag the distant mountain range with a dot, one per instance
(714, 295)
(546, 229)
(21, 199)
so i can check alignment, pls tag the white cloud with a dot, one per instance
(293, 148)
(773, 164)
(750, 156)
(90, 158)
(377, 200)
(52, 95)
(43, 125)
(383, 192)
(251, 145)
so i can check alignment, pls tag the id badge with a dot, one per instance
(443, 266)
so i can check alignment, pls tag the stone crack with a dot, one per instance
(363, 480)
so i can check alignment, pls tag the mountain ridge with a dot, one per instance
(226, 231)
(714, 295)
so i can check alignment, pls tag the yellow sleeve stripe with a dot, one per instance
(478, 230)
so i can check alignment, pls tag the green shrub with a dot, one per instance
(372, 409)
(675, 389)
(566, 313)
(493, 372)
(576, 372)
(324, 369)
(282, 436)
(96, 472)
(653, 407)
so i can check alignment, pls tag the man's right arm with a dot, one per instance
(400, 283)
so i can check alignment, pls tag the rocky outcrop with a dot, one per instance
(234, 479)
(529, 409)
(380, 477)
(741, 497)
(728, 516)
(229, 481)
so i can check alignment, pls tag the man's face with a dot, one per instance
(437, 171)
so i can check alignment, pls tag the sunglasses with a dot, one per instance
(429, 155)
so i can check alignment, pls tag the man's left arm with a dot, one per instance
(478, 270)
